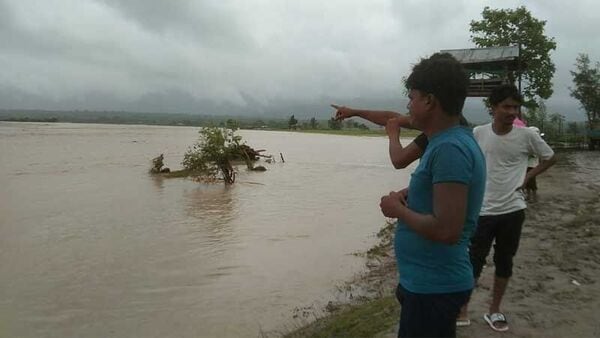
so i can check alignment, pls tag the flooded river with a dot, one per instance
(91, 245)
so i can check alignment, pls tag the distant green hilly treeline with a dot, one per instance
(175, 119)
(120, 117)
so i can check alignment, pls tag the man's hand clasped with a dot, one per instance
(393, 204)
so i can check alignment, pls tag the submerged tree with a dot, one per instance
(214, 152)
(158, 165)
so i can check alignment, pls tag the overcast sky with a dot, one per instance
(253, 56)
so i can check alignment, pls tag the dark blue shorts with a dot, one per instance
(429, 315)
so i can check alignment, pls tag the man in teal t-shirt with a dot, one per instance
(427, 266)
(437, 213)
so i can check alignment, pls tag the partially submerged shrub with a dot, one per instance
(213, 153)
(157, 165)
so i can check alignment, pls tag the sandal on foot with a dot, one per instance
(463, 322)
(496, 318)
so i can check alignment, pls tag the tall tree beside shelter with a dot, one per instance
(506, 27)
(586, 80)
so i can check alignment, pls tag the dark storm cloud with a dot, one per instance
(253, 56)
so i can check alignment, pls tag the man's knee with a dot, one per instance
(477, 254)
(504, 265)
(477, 264)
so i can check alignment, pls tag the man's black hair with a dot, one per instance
(444, 77)
(503, 92)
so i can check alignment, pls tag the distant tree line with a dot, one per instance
(193, 120)
(31, 119)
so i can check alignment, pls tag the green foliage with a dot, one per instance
(362, 126)
(557, 122)
(351, 124)
(213, 153)
(157, 164)
(232, 124)
(292, 123)
(572, 128)
(334, 124)
(587, 87)
(538, 116)
(505, 27)
(553, 125)
(361, 320)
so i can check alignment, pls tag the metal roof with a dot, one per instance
(485, 55)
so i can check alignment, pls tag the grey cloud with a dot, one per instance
(246, 57)
(6, 16)
(208, 23)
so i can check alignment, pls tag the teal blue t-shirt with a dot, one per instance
(432, 267)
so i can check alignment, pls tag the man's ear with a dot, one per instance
(430, 99)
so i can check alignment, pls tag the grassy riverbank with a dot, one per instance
(358, 320)
(375, 310)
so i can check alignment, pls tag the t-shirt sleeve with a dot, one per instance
(477, 132)
(451, 163)
(421, 141)
(539, 147)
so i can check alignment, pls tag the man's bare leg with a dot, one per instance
(463, 315)
(500, 285)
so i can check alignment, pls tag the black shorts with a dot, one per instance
(505, 231)
(429, 315)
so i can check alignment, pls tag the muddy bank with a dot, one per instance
(555, 290)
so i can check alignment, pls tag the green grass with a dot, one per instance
(362, 320)
(385, 236)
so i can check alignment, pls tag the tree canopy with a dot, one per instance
(213, 153)
(506, 27)
(587, 87)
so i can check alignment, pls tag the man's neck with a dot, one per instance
(441, 123)
(501, 129)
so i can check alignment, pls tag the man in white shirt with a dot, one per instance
(531, 187)
(506, 150)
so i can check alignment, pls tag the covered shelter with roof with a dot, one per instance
(489, 67)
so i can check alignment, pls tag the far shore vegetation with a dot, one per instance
(553, 125)
(314, 125)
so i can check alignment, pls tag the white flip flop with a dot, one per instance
(494, 318)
